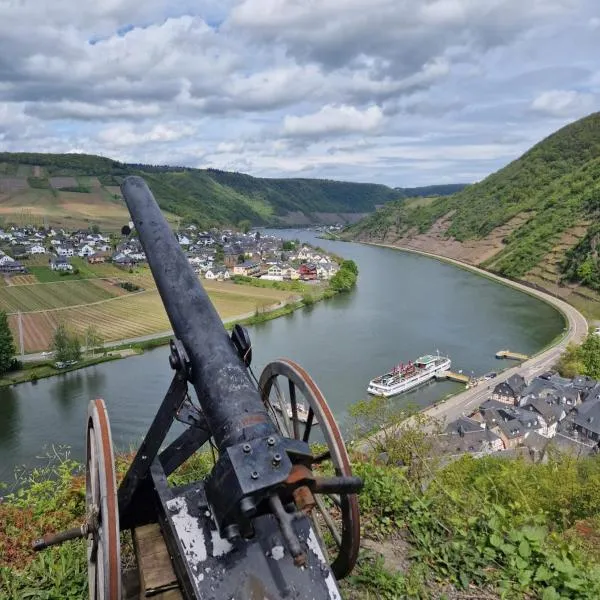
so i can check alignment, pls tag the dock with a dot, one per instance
(511, 355)
(452, 376)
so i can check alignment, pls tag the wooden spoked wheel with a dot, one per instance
(103, 548)
(336, 515)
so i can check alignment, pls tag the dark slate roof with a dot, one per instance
(593, 393)
(514, 386)
(464, 424)
(472, 441)
(550, 412)
(583, 382)
(572, 445)
(491, 405)
(535, 441)
(588, 416)
(539, 388)
(511, 429)
(561, 380)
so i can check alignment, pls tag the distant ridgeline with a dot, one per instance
(204, 196)
(538, 217)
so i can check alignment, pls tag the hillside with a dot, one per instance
(533, 219)
(75, 189)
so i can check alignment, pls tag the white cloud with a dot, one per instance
(127, 135)
(399, 91)
(334, 120)
(564, 103)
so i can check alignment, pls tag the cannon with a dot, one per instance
(277, 516)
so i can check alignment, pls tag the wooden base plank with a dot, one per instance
(157, 578)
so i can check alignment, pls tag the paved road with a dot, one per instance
(146, 338)
(468, 401)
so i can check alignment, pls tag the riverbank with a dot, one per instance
(450, 409)
(40, 368)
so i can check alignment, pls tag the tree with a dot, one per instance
(245, 225)
(93, 339)
(241, 259)
(66, 344)
(403, 434)
(582, 360)
(7, 345)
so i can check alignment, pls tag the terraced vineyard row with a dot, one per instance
(128, 316)
(46, 296)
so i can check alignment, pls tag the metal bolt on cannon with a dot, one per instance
(272, 519)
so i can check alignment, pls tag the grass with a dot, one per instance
(44, 369)
(488, 528)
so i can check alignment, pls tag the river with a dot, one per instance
(405, 305)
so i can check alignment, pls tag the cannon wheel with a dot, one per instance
(103, 545)
(331, 509)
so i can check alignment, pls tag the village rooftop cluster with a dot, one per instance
(528, 419)
(215, 254)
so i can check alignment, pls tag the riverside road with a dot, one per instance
(468, 401)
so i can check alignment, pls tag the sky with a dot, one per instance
(401, 92)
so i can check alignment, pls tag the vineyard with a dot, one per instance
(129, 316)
(44, 296)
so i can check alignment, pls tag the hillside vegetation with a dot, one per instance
(476, 529)
(43, 183)
(535, 217)
(84, 189)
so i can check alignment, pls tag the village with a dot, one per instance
(214, 255)
(529, 419)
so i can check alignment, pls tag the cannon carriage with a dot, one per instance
(277, 516)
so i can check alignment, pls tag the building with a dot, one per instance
(60, 263)
(248, 269)
(307, 272)
(37, 249)
(291, 273)
(587, 420)
(86, 250)
(64, 251)
(478, 442)
(509, 391)
(549, 414)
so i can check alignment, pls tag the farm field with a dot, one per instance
(132, 315)
(22, 204)
(44, 296)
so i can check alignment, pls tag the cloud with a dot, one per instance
(127, 135)
(405, 92)
(334, 120)
(564, 103)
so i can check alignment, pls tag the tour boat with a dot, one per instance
(404, 377)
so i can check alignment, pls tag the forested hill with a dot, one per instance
(538, 217)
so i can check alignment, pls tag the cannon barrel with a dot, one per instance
(231, 404)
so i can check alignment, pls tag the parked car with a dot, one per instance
(490, 375)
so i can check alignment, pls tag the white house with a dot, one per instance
(304, 253)
(86, 250)
(184, 240)
(37, 249)
(62, 251)
(195, 261)
(291, 273)
(209, 275)
(60, 263)
(4, 260)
